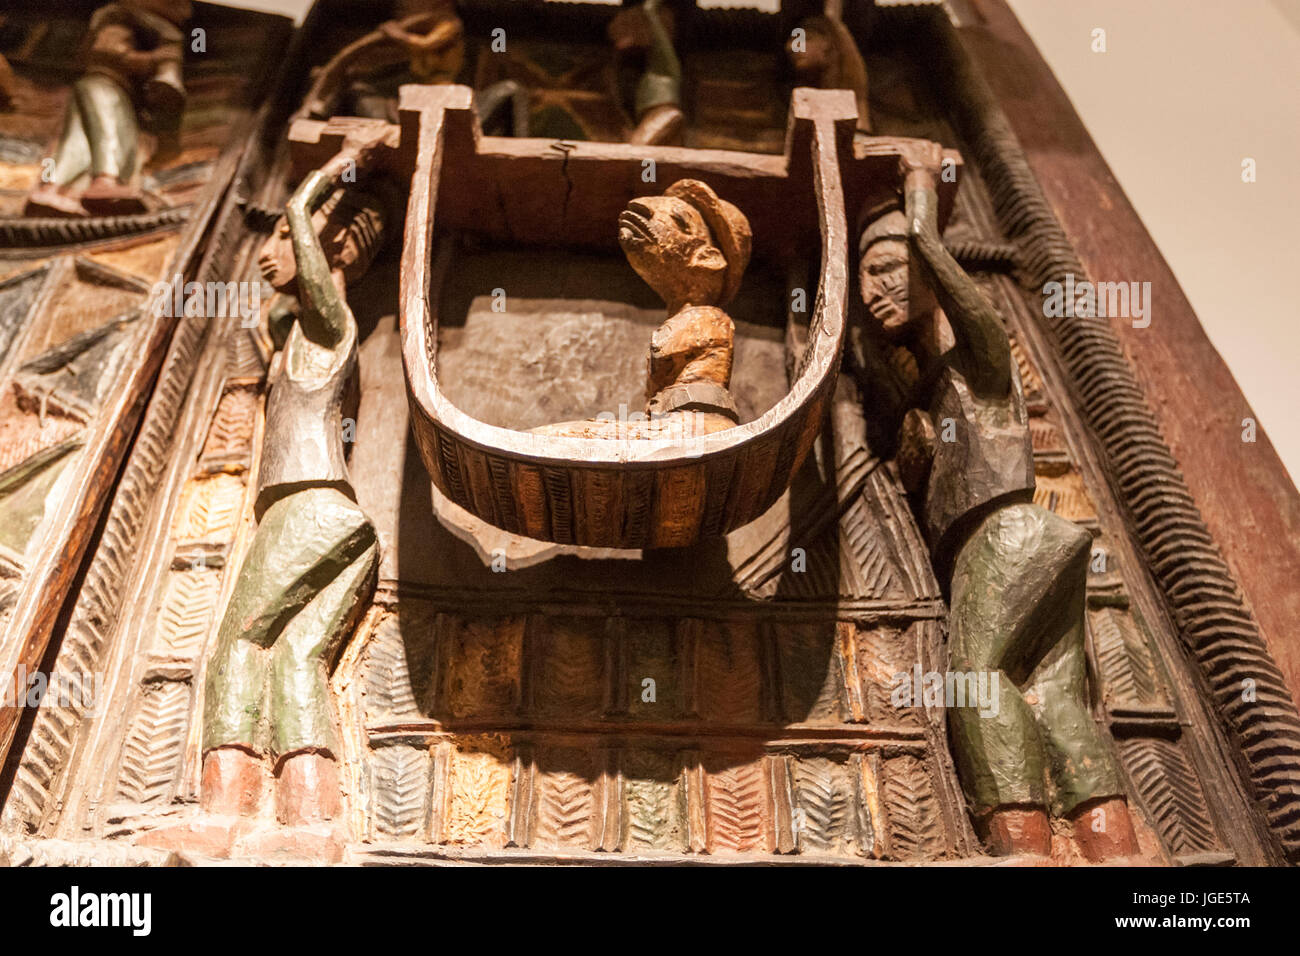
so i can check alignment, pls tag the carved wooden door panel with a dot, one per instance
(757, 697)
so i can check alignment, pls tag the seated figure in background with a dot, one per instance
(643, 47)
(132, 59)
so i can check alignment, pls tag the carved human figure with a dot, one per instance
(643, 43)
(1015, 572)
(132, 59)
(691, 247)
(824, 54)
(423, 43)
(311, 563)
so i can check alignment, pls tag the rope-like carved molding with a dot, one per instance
(1203, 598)
(34, 233)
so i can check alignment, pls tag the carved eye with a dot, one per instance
(681, 222)
(881, 266)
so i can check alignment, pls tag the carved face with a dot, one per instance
(668, 243)
(883, 277)
(439, 66)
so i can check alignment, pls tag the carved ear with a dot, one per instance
(709, 257)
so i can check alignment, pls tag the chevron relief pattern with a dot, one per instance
(478, 791)
(866, 567)
(652, 811)
(209, 508)
(1171, 791)
(230, 437)
(881, 653)
(388, 678)
(914, 816)
(565, 807)
(400, 788)
(244, 358)
(188, 607)
(728, 672)
(736, 811)
(1128, 669)
(152, 750)
(825, 800)
(568, 656)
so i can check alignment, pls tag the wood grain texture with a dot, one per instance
(479, 466)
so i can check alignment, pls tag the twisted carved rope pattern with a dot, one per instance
(1203, 598)
(63, 232)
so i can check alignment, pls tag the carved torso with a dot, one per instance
(989, 456)
(303, 433)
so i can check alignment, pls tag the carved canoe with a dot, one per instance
(602, 492)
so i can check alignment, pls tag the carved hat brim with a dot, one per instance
(884, 220)
(728, 224)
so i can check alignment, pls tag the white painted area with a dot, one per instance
(1184, 92)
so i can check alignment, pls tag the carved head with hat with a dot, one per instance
(892, 289)
(689, 245)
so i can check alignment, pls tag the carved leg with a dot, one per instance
(1079, 760)
(304, 545)
(71, 161)
(109, 116)
(303, 727)
(1017, 608)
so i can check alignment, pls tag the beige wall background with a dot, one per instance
(1185, 91)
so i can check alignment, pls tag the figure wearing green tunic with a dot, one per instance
(132, 56)
(311, 565)
(1016, 572)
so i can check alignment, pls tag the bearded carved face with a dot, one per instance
(668, 243)
(883, 277)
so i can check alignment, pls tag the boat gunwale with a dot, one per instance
(821, 114)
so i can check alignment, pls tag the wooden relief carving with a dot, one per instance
(644, 446)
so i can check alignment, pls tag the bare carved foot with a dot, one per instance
(307, 790)
(1103, 830)
(1015, 831)
(108, 196)
(232, 781)
(50, 200)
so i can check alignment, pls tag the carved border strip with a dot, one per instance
(104, 591)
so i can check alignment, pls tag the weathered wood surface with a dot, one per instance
(99, 283)
(475, 704)
(610, 493)
(1249, 502)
